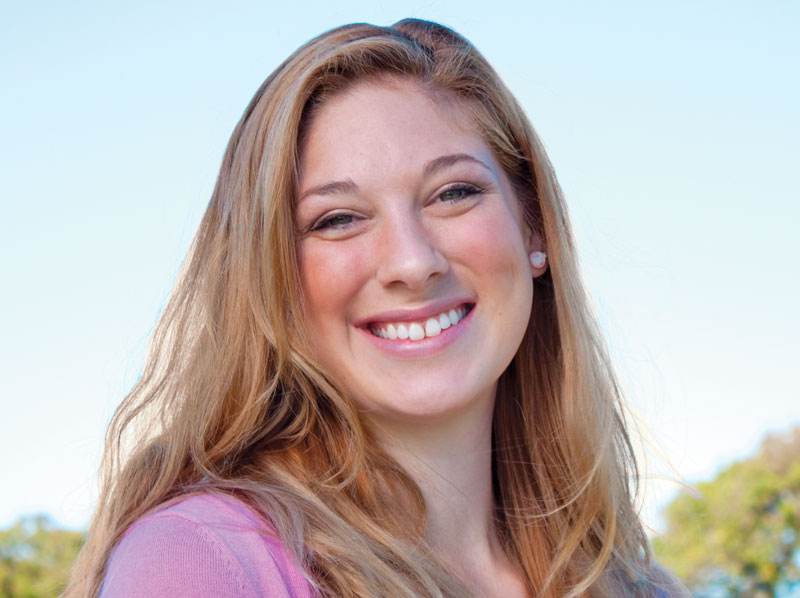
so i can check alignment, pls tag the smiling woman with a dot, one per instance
(427, 226)
(377, 375)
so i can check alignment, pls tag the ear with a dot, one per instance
(536, 255)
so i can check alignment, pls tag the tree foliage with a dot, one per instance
(741, 538)
(35, 558)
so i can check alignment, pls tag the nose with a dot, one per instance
(410, 255)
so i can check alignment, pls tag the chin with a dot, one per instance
(429, 404)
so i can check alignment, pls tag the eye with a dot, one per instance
(457, 192)
(336, 221)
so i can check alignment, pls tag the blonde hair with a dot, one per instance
(232, 400)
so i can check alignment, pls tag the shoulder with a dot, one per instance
(202, 545)
(652, 581)
(669, 585)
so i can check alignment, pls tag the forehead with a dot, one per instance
(375, 125)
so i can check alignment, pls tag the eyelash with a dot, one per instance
(467, 190)
(327, 222)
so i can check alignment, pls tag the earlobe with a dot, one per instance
(536, 257)
(538, 260)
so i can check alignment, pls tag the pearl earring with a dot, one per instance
(538, 259)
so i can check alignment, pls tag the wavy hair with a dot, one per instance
(232, 400)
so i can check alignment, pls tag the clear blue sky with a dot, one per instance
(673, 128)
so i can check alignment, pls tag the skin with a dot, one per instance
(404, 213)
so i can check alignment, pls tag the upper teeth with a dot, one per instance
(418, 330)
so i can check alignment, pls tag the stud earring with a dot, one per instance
(538, 259)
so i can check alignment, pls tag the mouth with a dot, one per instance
(417, 330)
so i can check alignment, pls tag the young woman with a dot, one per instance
(377, 374)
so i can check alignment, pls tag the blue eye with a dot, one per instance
(458, 192)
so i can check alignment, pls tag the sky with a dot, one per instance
(673, 128)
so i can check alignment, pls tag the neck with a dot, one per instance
(452, 464)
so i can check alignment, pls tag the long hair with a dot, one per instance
(232, 400)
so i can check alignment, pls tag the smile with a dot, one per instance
(419, 329)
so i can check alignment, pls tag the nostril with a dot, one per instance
(410, 258)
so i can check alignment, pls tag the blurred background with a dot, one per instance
(673, 128)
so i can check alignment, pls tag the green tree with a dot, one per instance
(35, 558)
(742, 536)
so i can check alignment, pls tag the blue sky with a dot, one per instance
(673, 128)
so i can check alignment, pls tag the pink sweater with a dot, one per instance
(203, 545)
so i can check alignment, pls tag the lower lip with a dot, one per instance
(426, 347)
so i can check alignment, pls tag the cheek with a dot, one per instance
(491, 244)
(331, 275)
(492, 250)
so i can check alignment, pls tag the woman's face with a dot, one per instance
(413, 256)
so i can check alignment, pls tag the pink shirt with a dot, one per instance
(203, 545)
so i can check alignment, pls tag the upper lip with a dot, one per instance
(403, 314)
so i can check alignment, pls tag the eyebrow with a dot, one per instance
(332, 188)
(348, 186)
(442, 162)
